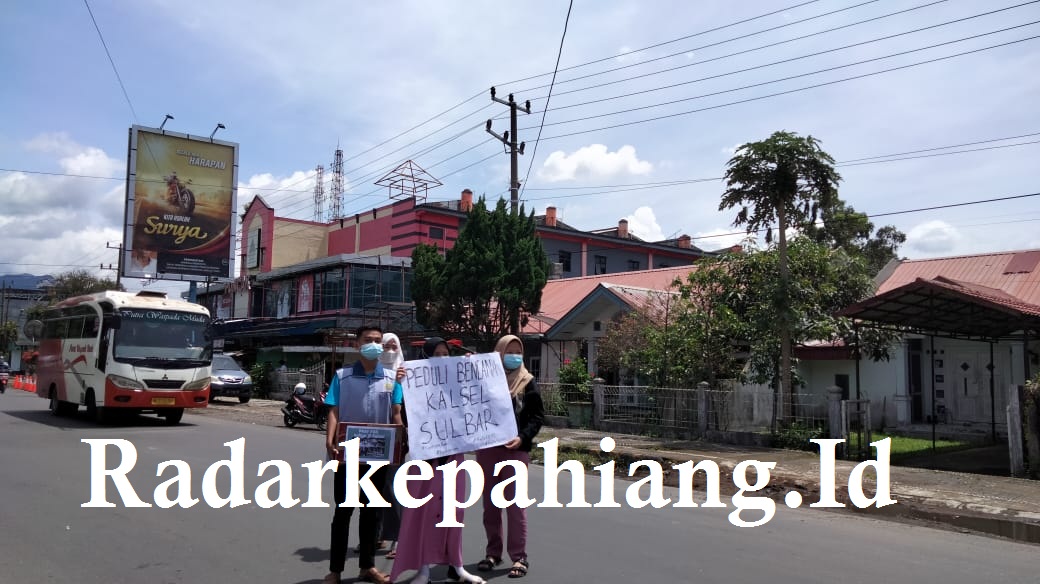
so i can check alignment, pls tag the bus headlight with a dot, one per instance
(198, 384)
(124, 382)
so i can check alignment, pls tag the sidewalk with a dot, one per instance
(998, 505)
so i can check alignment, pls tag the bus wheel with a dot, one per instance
(99, 414)
(173, 417)
(55, 405)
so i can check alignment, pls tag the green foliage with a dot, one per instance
(796, 436)
(844, 227)
(263, 379)
(489, 283)
(785, 179)
(8, 335)
(79, 282)
(575, 373)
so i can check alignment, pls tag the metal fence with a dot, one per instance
(676, 412)
(283, 382)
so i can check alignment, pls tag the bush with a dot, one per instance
(797, 437)
(575, 373)
(263, 384)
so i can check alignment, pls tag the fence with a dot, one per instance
(284, 381)
(683, 412)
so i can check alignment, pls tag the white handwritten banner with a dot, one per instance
(457, 405)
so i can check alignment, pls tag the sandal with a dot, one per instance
(373, 575)
(519, 569)
(488, 564)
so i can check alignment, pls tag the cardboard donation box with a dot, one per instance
(376, 442)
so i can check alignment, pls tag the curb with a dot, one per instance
(978, 515)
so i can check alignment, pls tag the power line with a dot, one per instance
(384, 169)
(110, 59)
(746, 36)
(882, 159)
(788, 92)
(779, 80)
(661, 44)
(770, 45)
(546, 109)
(891, 213)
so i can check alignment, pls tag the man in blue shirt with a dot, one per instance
(358, 394)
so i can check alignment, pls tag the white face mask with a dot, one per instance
(388, 357)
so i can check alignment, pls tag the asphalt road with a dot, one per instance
(46, 536)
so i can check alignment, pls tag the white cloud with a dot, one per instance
(934, 236)
(625, 55)
(593, 162)
(643, 223)
(730, 150)
(291, 196)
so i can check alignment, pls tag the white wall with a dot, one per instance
(962, 394)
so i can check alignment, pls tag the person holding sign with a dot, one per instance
(530, 413)
(423, 544)
(357, 394)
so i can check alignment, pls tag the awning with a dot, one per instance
(949, 307)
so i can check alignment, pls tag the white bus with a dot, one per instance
(133, 352)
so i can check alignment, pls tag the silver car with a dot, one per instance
(229, 379)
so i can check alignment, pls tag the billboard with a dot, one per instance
(180, 206)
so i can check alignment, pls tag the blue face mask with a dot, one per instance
(372, 351)
(513, 361)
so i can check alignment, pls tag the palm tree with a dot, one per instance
(784, 180)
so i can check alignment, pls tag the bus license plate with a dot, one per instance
(163, 401)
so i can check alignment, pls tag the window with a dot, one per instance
(391, 287)
(565, 259)
(437, 233)
(842, 381)
(601, 264)
(333, 290)
(633, 265)
(364, 287)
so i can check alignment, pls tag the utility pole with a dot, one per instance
(509, 140)
(119, 266)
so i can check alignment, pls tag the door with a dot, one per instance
(966, 368)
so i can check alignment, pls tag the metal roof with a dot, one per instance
(1015, 272)
(946, 306)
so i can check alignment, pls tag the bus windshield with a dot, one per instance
(162, 338)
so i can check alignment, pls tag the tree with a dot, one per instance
(783, 180)
(79, 282)
(489, 283)
(8, 335)
(844, 227)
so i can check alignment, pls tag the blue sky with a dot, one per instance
(292, 83)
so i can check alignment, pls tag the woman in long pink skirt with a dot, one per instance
(421, 544)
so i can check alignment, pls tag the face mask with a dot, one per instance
(372, 350)
(513, 361)
(387, 358)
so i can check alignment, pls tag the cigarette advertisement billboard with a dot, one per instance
(181, 206)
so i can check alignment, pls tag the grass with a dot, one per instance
(906, 447)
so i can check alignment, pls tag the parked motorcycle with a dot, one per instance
(303, 408)
(179, 195)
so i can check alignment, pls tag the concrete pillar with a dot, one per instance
(702, 407)
(834, 411)
(1014, 423)
(598, 403)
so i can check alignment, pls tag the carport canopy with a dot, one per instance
(946, 307)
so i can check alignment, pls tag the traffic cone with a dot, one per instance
(31, 386)
(17, 383)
